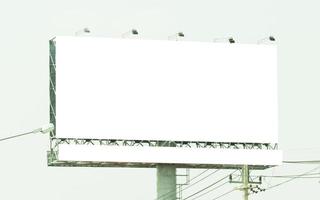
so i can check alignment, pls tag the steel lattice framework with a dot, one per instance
(53, 154)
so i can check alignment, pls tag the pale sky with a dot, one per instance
(26, 27)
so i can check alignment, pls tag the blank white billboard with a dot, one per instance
(165, 90)
(172, 155)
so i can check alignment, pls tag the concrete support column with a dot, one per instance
(166, 182)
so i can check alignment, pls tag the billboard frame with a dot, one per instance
(52, 84)
(53, 153)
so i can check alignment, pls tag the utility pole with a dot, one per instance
(245, 180)
(166, 179)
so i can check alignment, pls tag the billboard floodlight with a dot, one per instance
(229, 39)
(47, 128)
(82, 31)
(180, 34)
(134, 32)
(130, 32)
(176, 36)
(270, 38)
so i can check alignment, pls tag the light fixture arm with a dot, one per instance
(45, 129)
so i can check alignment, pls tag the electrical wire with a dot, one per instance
(301, 177)
(293, 178)
(204, 171)
(224, 194)
(219, 186)
(174, 191)
(309, 175)
(203, 189)
(200, 180)
(195, 182)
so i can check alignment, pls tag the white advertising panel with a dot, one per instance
(172, 155)
(165, 90)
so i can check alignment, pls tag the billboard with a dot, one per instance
(131, 89)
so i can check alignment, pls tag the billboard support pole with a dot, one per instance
(166, 182)
(166, 178)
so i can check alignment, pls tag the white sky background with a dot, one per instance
(26, 27)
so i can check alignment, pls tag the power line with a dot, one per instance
(293, 178)
(211, 190)
(309, 175)
(172, 191)
(200, 180)
(204, 171)
(195, 182)
(224, 194)
(301, 177)
(208, 186)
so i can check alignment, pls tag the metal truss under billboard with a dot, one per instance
(117, 96)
